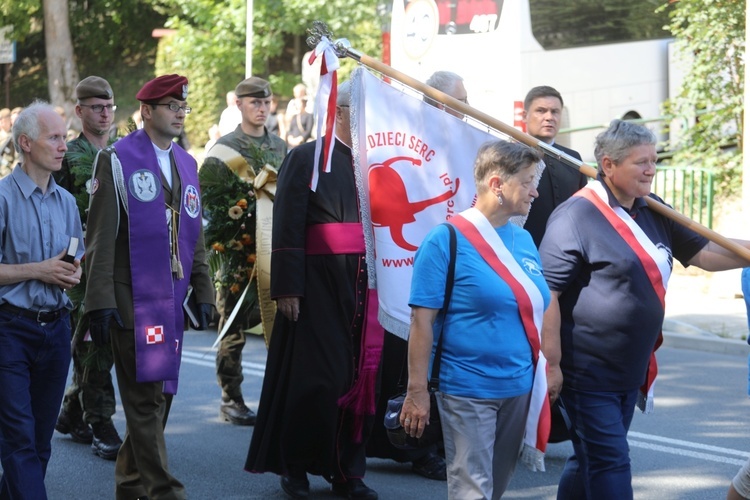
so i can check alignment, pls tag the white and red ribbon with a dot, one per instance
(480, 233)
(325, 106)
(655, 264)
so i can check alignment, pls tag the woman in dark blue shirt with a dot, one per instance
(607, 259)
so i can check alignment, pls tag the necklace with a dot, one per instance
(174, 243)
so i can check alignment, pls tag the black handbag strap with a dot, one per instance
(435, 377)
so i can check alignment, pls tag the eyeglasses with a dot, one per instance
(98, 108)
(174, 107)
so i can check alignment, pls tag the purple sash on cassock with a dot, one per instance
(157, 293)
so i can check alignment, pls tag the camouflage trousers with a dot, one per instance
(229, 356)
(91, 392)
(229, 365)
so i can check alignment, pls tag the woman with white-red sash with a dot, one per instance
(490, 365)
(607, 259)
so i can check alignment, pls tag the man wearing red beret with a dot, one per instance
(144, 248)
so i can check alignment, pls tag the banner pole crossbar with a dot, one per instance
(343, 49)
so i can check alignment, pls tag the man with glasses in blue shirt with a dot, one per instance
(90, 399)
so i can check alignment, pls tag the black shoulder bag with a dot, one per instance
(392, 421)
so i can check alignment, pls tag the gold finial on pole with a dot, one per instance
(342, 46)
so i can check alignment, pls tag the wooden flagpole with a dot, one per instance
(343, 49)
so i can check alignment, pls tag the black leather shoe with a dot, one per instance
(106, 442)
(431, 466)
(295, 487)
(354, 488)
(235, 412)
(74, 425)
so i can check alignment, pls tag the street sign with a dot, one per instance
(7, 47)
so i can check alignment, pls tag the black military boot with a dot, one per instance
(106, 442)
(68, 423)
(235, 411)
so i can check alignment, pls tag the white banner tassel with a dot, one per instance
(325, 103)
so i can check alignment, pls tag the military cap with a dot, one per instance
(4, 113)
(94, 86)
(253, 87)
(167, 85)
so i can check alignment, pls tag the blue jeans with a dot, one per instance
(746, 293)
(34, 361)
(600, 467)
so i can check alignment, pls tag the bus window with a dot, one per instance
(458, 17)
(578, 23)
(607, 58)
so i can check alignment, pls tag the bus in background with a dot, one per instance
(608, 58)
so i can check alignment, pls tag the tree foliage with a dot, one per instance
(710, 35)
(111, 38)
(208, 45)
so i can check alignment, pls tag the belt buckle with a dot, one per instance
(39, 317)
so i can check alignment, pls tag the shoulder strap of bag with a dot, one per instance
(435, 377)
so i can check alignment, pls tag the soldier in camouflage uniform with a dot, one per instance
(90, 398)
(254, 100)
(7, 149)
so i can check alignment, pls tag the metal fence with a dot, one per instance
(690, 191)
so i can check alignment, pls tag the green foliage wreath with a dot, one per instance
(229, 207)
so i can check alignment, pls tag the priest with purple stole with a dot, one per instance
(144, 248)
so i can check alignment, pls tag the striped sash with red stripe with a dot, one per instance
(477, 229)
(655, 265)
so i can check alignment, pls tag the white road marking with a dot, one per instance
(678, 447)
(208, 359)
(635, 439)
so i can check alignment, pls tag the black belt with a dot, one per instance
(38, 316)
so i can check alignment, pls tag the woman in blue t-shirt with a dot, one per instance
(490, 331)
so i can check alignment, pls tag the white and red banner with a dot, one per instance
(415, 163)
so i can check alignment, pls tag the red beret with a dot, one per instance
(167, 85)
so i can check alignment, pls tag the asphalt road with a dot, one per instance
(690, 448)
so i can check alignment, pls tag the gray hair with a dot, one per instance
(619, 138)
(503, 158)
(344, 93)
(444, 81)
(27, 123)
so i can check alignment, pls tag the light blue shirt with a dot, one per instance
(486, 353)
(35, 227)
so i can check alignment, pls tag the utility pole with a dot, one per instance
(746, 129)
(249, 41)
